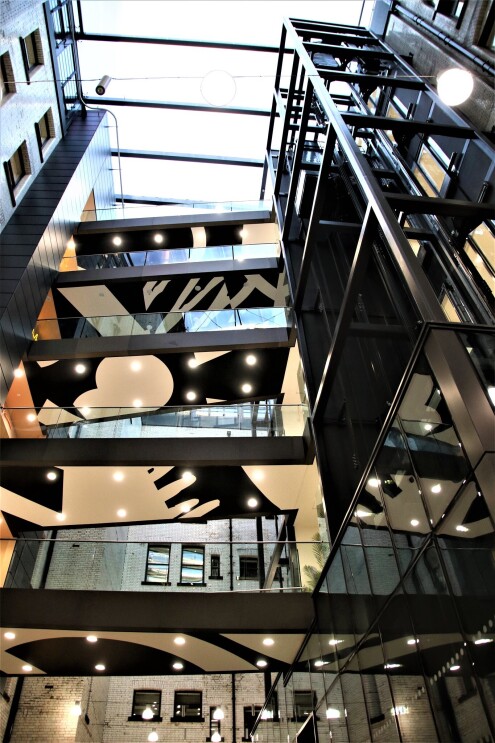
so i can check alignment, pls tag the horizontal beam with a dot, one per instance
(362, 79)
(408, 126)
(119, 38)
(180, 105)
(347, 52)
(189, 157)
(440, 207)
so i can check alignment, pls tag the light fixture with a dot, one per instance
(71, 244)
(437, 488)
(218, 88)
(158, 238)
(413, 641)
(454, 668)
(319, 663)
(216, 737)
(428, 427)
(192, 363)
(491, 394)
(147, 713)
(258, 475)
(137, 403)
(80, 368)
(268, 641)
(153, 736)
(117, 240)
(461, 527)
(85, 410)
(31, 417)
(190, 395)
(187, 476)
(361, 514)
(185, 508)
(389, 666)
(251, 359)
(103, 85)
(121, 513)
(179, 640)
(27, 668)
(374, 482)
(242, 233)
(246, 387)
(218, 714)
(401, 709)
(76, 709)
(332, 713)
(118, 476)
(483, 641)
(99, 667)
(92, 638)
(60, 516)
(454, 86)
(51, 476)
(414, 522)
(261, 663)
(9, 635)
(252, 502)
(136, 366)
(333, 641)
(178, 666)
(18, 373)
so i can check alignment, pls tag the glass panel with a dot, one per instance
(481, 349)
(143, 699)
(158, 564)
(192, 565)
(187, 704)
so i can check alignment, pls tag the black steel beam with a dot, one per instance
(344, 28)
(190, 158)
(347, 52)
(286, 125)
(177, 42)
(407, 126)
(346, 38)
(440, 207)
(380, 80)
(176, 105)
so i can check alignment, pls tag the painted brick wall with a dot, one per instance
(44, 714)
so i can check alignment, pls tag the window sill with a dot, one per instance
(187, 719)
(33, 71)
(224, 739)
(215, 577)
(138, 718)
(191, 584)
(155, 583)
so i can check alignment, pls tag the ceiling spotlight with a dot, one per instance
(251, 359)
(413, 641)
(242, 233)
(118, 476)
(187, 476)
(71, 244)
(60, 516)
(147, 713)
(268, 641)
(192, 363)
(137, 403)
(31, 417)
(185, 508)
(437, 488)
(491, 394)
(158, 238)
(85, 410)
(218, 714)
(80, 368)
(136, 366)
(428, 427)
(333, 641)
(252, 502)
(121, 513)
(247, 387)
(454, 668)
(153, 736)
(455, 86)
(27, 668)
(99, 667)
(76, 709)
(461, 528)
(332, 713)
(92, 638)
(117, 240)
(190, 395)
(483, 641)
(178, 666)
(261, 663)
(180, 640)
(388, 666)
(414, 522)
(374, 482)
(361, 514)
(51, 476)
(9, 635)
(18, 373)
(258, 475)
(319, 663)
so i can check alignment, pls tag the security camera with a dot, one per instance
(103, 84)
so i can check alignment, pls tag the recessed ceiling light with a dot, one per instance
(483, 641)
(413, 641)
(137, 403)
(187, 476)
(242, 233)
(178, 666)
(374, 482)
(268, 641)
(251, 359)
(31, 417)
(261, 663)
(179, 640)
(333, 641)
(80, 368)
(332, 713)
(454, 668)
(361, 513)
(121, 513)
(136, 366)
(462, 528)
(193, 363)
(414, 522)
(92, 638)
(27, 668)
(71, 244)
(392, 665)
(258, 475)
(190, 395)
(185, 508)
(436, 488)
(158, 238)
(252, 502)
(118, 476)
(117, 240)
(247, 387)
(18, 373)
(99, 667)
(85, 410)
(51, 476)
(491, 394)
(60, 516)
(9, 635)
(319, 663)
(428, 427)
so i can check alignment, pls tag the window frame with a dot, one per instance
(487, 36)
(149, 564)
(187, 718)
(215, 726)
(249, 559)
(44, 143)
(454, 10)
(302, 718)
(191, 548)
(213, 569)
(6, 76)
(15, 185)
(137, 716)
(34, 44)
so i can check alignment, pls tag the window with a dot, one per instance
(248, 567)
(16, 170)
(142, 700)
(192, 566)
(304, 702)
(487, 37)
(157, 564)
(451, 8)
(44, 131)
(215, 567)
(32, 53)
(250, 715)
(215, 726)
(187, 706)
(6, 76)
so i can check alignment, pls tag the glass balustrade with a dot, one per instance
(80, 565)
(158, 323)
(262, 419)
(134, 211)
(162, 257)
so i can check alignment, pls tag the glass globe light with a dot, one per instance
(455, 86)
